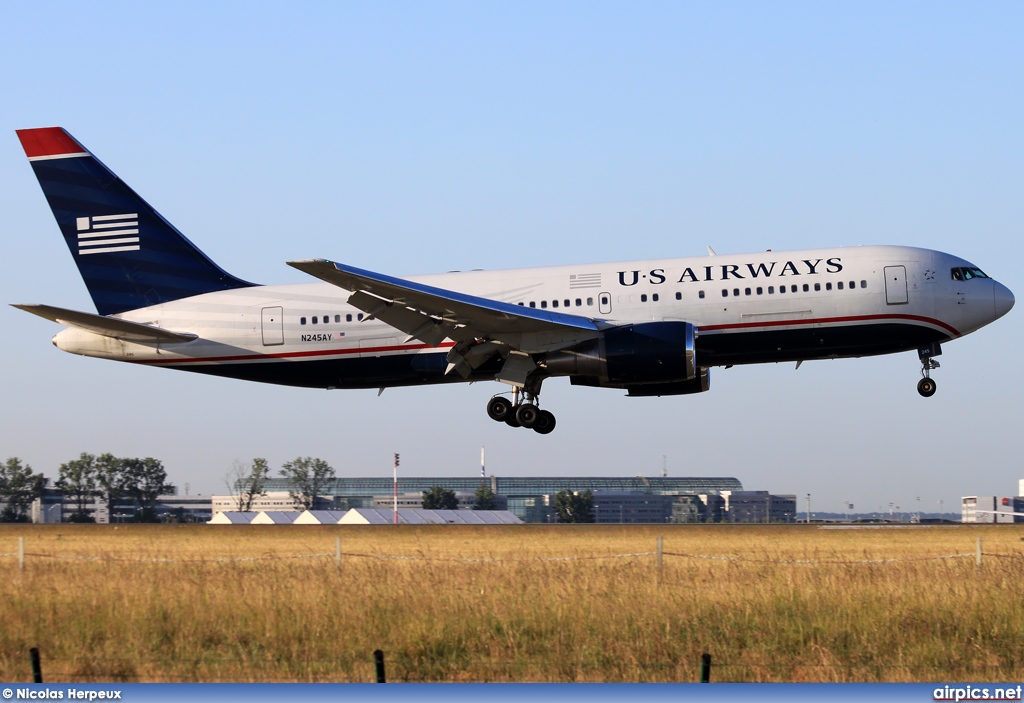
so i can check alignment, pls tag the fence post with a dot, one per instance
(661, 564)
(378, 661)
(705, 668)
(21, 553)
(37, 669)
(977, 553)
(337, 552)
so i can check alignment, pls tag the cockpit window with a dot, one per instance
(966, 273)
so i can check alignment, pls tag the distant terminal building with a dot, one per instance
(529, 498)
(991, 509)
(761, 507)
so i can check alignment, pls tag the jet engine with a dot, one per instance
(655, 354)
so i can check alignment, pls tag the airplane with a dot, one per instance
(651, 328)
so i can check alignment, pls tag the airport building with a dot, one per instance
(531, 499)
(992, 509)
(760, 507)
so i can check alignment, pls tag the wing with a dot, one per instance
(434, 314)
(107, 326)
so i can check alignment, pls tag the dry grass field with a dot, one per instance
(189, 603)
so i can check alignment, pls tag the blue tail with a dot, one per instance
(129, 256)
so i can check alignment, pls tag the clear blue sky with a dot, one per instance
(421, 137)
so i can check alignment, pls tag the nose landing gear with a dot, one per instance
(521, 414)
(926, 386)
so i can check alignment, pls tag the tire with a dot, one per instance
(526, 415)
(544, 423)
(926, 387)
(499, 409)
(511, 420)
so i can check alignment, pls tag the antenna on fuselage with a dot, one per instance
(711, 252)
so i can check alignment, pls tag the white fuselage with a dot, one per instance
(747, 308)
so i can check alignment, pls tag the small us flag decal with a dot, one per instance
(101, 234)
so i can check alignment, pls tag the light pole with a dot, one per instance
(808, 508)
(919, 509)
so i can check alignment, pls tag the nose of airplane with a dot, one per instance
(1003, 299)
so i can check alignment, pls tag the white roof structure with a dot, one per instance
(319, 517)
(231, 518)
(275, 517)
(377, 516)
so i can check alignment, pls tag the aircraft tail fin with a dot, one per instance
(129, 256)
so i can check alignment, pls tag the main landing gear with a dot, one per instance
(521, 414)
(926, 386)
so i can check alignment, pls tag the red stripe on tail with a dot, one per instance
(48, 141)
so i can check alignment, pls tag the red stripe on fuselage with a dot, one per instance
(448, 345)
(48, 141)
(829, 321)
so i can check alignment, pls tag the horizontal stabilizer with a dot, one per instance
(107, 326)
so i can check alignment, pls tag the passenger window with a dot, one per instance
(337, 318)
(544, 304)
(348, 317)
(806, 288)
(579, 302)
(679, 296)
(654, 297)
(736, 291)
(782, 289)
(359, 317)
(725, 292)
(863, 284)
(590, 301)
(817, 286)
(839, 285)
(760, 290)
(828, 286)
(566, 302)
(533, 304)
(314, 319)
(643, 298)
(302, 320)
(746, 291)
(853, 284)
(604, 300)
(520, 304)
(771, 290)
(554, 303)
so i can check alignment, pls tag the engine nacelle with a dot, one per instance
(695, 385)
(632, 355)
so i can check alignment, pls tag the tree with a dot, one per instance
(485, 498)
(246, 483)
(144, 480)
(77, 479)
(438, 498)
(18, 488)
(573, 506)
(308, 478)
(111, 480)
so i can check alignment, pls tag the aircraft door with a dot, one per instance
(273, 326)
(604, 303)
(896, 285)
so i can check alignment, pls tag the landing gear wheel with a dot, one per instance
(544, 423)
(526, 415)
(499, 409)
(926, 387)
(511, 420)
